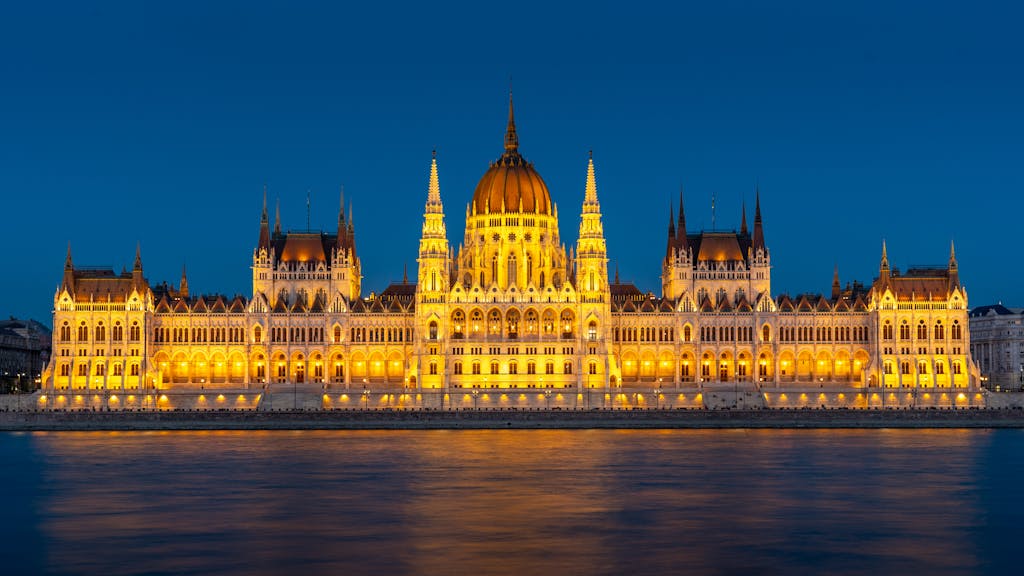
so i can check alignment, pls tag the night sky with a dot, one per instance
(131, 122)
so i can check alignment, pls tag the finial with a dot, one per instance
(433, 153)
(264, 216)
(616, 273)
(67, 259)
(511, 139)
(405, 273)
(138, 256)
(743, 219)
(341, 206)
(277, 216)
(591, 153)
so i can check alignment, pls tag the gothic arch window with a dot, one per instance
(542, 279)
(766, 333)
(494, 268)
(955, 331)
(337, 334)
(922, 331)
(65, 334)
(531, 321)
(457, 367)
(476, 321)
(494, 367)
(592, 368)
(458, 324)
(511, 269)
(101, 332)
(513, 367)
(940, 331)
(904, 331)
(567, 321)
(433, 330)
(887, 331)
(687, 333)
(65, 369)
(257, 334)
(529, 267)
(592, 330)
(567, 367)
(133, 332)
(433, 280)
(494, 322)
(548, 322)
(118, 332)
(512, 323)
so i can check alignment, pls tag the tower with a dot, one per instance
(591, 250)
(432, 284)
(678, 265)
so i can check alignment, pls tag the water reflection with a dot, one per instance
(511, 502)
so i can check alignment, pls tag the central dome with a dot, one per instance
(511, 184)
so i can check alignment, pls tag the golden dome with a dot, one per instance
(511, 184)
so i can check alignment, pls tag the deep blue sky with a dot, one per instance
(126, 122)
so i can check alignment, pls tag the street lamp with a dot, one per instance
(476, 393)
(366, 399)
(547, 396)
(657, 397)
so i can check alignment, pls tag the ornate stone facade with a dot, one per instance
(511, 308)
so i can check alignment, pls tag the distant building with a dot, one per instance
(24, 352)
(997, 344)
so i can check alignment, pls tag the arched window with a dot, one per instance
(133, 370)
(458, 324)
(766, 333)
(531, 367)
(65, 369)
(257, 334)
(494, 367)
(476, 368)
(337, 334)
(955, 332)
(457, 367)
(433, 330)
(888, 367)
(531, 321)
(133, 332)
(592, 330)
(567, 367)
(476, 321)
(922, 331)
(433, 368)
(512, 323)
(511, 269)
(566, 323)
(592, 368)
(940, 331)
(542, 279)
(494, 268)
(887, 331)
(65, 333)
(529, 268)
(118, 332)
(433, 280)
(494, 322)
(101, 370)
(513, 367)
(904, 331)
(687, 333)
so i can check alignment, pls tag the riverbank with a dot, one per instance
(506, 419)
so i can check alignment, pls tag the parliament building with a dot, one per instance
(510, 308)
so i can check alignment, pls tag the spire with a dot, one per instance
(681, 241)
(883, 269)
(405, 273)
(511, 139)
(671, 221)
(67, 259)
(183, 290)
(264, 225)
(138, 257)
(835, 283)
(277, 217)
(590, 203)
(743, 219)
(616, 273)
(434, 187)
(954, 272)
(758, 229)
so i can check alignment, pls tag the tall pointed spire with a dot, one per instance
(681, 240)
(264, 241)
(277, 217)
(511, 139)
(952, 256)
(883, 268)
(69, 272)
(183, 289)
(138, 257)
(434, 204)
(954, 271)
(68, 265)
(671, 221)
(743, 219)
(835, 283)
(758, 240)
(590, 203)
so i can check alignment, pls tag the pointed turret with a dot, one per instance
(954, 269)
(69, 272)
(681, 241)
(590, 258)
(434, 205)
(138, 281)
(670, 244)
(183, 290)
(277, 218)
(138, 257)
(758, 240)
(836, 289)
(883, 268)
(264, 242)
(743, 220)
(511, 139)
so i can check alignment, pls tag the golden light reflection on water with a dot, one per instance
(509, 502)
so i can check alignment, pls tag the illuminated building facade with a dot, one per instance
(511, 308)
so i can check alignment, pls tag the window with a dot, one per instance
(888, 368)
(592, 368)
(65, 334)
(118, 332)
(65, 369)
(904, 367)
(117, 369)
(83, 370)
(433, 368)
(494, 367)
(766, 333)
(955, 332)
(83, 333)
(513, 368)
(687, 333)
(939, 369)
(940, 331)
(257, 334)
(887, 331)
(457, 369)
(433, 330)
(549, 368)
(476, 368)
(567, 367)
(337, 334)
(101, 370)
(101, 332)
(133, 332)
(956, 367)
(531, 367)
(922, 331)
(134, 370)
(904, 331)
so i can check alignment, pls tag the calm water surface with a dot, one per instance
(513, 502)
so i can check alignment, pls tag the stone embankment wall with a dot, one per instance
(509, 419)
